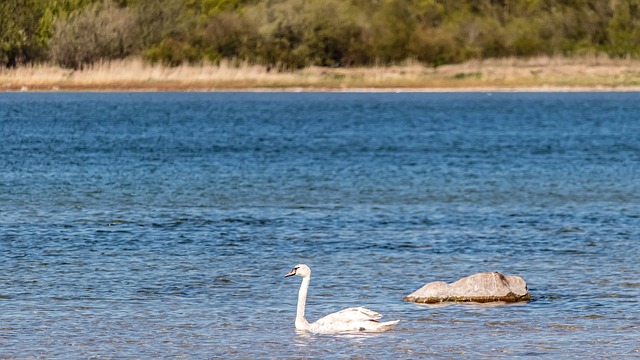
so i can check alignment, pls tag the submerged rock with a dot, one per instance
(482, 287)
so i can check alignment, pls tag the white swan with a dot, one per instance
(356, 319)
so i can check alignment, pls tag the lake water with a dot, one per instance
(140, 225)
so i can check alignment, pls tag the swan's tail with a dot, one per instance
(388, 325)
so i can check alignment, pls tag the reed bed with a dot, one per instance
(598, 73)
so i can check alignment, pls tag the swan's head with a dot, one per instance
(300, 270)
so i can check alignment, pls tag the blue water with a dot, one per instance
(161, 224)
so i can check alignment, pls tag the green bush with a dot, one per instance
(624, 30)
(173, 51)
(20, 35)
(229, 35)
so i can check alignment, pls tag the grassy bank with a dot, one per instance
(496, 74)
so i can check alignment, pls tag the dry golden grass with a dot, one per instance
(542, 73)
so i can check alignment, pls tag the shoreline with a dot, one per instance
(434, 90)
(494, 75)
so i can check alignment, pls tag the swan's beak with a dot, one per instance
(291, 273)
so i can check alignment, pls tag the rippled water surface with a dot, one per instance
(161, 225)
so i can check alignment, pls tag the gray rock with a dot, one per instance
(482, 287)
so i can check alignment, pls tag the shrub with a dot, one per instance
(173, 51)
(20, 40)
(229, 35)
(102, 31)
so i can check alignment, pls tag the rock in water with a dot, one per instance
(482, 287)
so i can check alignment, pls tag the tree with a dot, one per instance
(19, 31)
(101, 31)
(156, 19)
(624, 29)
(229, 35)
(290, 34)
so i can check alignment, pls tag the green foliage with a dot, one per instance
(624, 29)
(173, 51)
(212, 7)
(19, 31)
(229, 35)
(290, 34)
(157, 20)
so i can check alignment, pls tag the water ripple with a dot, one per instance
(161, 225)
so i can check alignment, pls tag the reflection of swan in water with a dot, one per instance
(348, 320)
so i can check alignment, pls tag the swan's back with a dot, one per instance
(351, 314)
(356, 319)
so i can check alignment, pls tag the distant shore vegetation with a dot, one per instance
(294, 34)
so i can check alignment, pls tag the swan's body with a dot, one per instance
(356, 319)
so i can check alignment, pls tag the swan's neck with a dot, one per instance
(301, 322)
